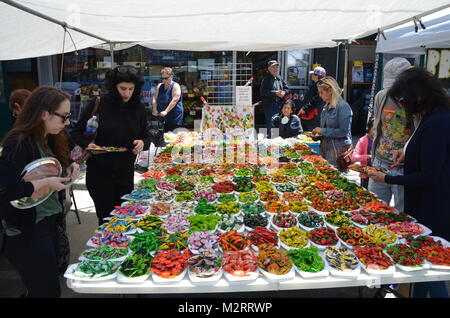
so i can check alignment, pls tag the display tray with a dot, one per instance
(275, 277)
(37, 170)
(211, 280)
(160, 280)
(70, 274)
(107, 149)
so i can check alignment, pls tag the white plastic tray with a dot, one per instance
(212, 280)
(176, 279)
(350, 274)
(274, 277)
(287, 248)
(323, 247)
(70, 275)
(241, 279)
(131, 280)
(119, 259)
(323, 273)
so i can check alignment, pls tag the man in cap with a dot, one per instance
(273, 89)
(313, 104)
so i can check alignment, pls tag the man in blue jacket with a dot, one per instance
(272, 90)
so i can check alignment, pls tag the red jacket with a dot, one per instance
(360, 153)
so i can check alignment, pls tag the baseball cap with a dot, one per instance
(272, 62)
(319, 71)
(393, 69)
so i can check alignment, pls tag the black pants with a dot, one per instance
(34, 256)
(109, 177)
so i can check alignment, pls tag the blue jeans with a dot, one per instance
(385, 191)
(435, 289)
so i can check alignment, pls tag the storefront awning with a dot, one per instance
(197, 25)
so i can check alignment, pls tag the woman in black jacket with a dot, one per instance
(31, 242)
(122, 122)
(426, 155)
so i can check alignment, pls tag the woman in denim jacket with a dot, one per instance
(335, 121)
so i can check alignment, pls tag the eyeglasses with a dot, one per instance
(127, 69)
(64, 118)
(165, 78)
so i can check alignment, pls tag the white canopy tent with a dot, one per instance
(404, 40)
(196, 25)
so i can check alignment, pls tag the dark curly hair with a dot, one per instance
(127, 74)
(419, 92)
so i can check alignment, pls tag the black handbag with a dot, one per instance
(156, 131)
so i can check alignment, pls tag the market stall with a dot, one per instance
(252, 215)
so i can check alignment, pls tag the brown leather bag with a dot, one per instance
(345, 159)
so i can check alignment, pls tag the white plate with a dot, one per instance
(256, 249)
(323, 247)
(240, 230)
(323, 273)
(424, 266)
(274, 277)
(127, 197)
(390, 271)
(119, 259)
(287, 248)
(279, 229)
(161, 280)
(317, 211)
(131, 280)
(309, 228)
(438, 267)
(328, 225)
(212, 280)
(92, 244)
(427, 231)
(241, 279)
(445, 243)
(361, 226)
(70, 275)
(351, 273)
(145, 202)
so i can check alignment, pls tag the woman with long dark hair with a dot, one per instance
(17, 100)
(426, 157)
(122, 122)
(31, 241)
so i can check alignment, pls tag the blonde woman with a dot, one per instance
(335, 122)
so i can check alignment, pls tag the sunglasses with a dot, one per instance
(127, 69)
(165, 78)
(64, 118)
(400, 101)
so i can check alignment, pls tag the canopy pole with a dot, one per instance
(62, 60)
(346, 47)
(111, 50)
(50, 19)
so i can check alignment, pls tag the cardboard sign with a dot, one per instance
(243, 95)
